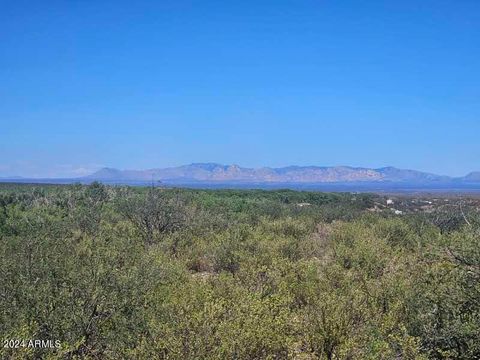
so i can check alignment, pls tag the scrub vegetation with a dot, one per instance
(154, 273)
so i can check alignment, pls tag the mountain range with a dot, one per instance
(218, 173)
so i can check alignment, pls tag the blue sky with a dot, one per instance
(86, 84)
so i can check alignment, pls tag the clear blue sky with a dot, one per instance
(140, 84)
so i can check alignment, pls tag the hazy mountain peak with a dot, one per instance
(106, 173)
(473, 177)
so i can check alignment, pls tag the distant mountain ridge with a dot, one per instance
(218, 173)
(473, 177)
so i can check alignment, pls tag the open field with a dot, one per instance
(153, 273)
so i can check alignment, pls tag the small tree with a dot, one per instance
(155, 214)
